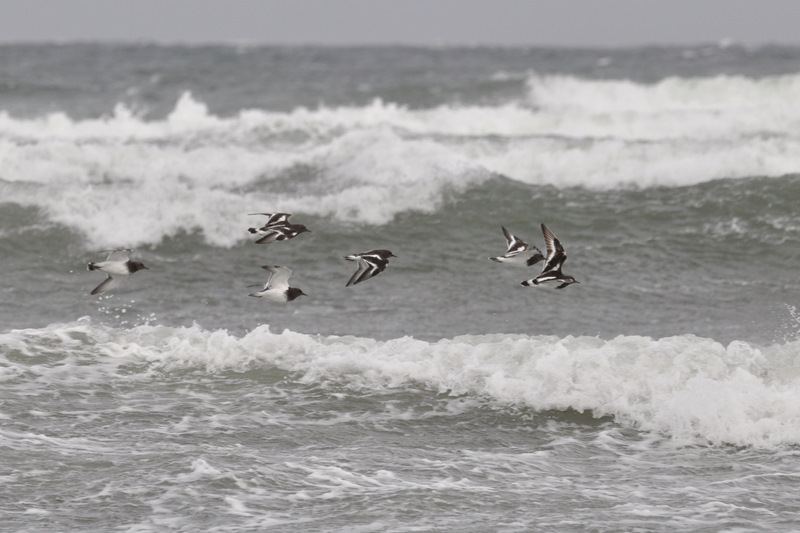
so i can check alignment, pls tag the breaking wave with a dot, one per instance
(694, 389)
(123, 178)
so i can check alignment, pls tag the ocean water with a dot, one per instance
(660, 394)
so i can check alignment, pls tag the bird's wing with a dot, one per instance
(555, 252)
(106, 284)
(363, 272)
(377, 266)
(278, 277)
(272, 234)
(515, 244)
(375, 256)
(273, 218)
(118, 254)
(546, 276)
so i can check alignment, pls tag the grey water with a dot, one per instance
(659, 394)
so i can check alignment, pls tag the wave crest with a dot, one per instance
(694, 389)
(123, 179)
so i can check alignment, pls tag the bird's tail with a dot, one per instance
(530, 282)
(495, 259)
(351, 257)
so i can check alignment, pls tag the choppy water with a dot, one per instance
(662, 393)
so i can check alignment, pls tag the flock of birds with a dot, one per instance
(521, 253)
(119, 262)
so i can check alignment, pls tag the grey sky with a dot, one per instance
(431, 22)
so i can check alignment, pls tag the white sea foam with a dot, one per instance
(693, 389)
(126, 179)
(720, 93)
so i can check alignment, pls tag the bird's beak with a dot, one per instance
(146, 268)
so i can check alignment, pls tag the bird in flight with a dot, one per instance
(117, 263)
(370, 264)
(518, 252)
(277, 288)
(556, 256)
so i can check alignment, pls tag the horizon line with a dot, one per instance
(723, 43)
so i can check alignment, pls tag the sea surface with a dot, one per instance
(662, 393)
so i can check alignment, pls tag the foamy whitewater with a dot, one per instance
(660, 394)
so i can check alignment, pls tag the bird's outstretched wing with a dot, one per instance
(368, 266)
(106, 284)
(278, 277)
(272, 234)
(363, 272)
(273, 218)
(514, 244)
(118, 254)
(556, 255)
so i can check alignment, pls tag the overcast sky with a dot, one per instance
(424, 22)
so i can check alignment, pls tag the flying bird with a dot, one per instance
(370, 264)
(119, 263)
(518, 252)
(277, 288)
(556, 256)
(281, 231)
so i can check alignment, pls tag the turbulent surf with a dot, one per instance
(441, 394)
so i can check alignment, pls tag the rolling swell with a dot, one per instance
(690, 388)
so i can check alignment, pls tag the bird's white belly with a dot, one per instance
(274, 296)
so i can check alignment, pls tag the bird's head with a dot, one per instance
(137, 266)
(294, 293)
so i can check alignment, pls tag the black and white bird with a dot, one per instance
(277, 288)
(272, 218)
(518, 252)
(370, 264)
(556, 256)
(281, 231)
(117, 263)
